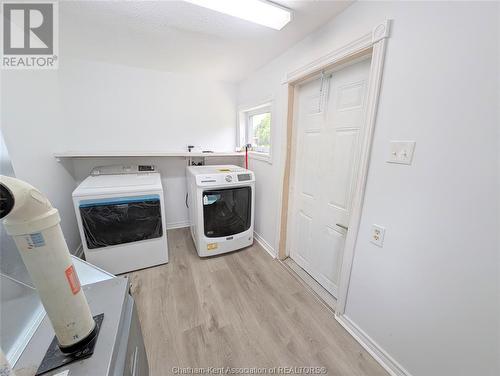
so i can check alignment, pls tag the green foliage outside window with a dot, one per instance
(262, 131)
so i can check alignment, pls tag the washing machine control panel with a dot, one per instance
(224, 178)
(244, 177)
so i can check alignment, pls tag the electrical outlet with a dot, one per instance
(377, 235)
(401, 152)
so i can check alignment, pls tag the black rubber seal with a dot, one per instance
(85, 342)
(6, 201)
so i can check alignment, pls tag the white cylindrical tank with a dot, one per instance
(34, 225)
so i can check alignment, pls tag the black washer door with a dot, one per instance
(227, 211)
(121, 221)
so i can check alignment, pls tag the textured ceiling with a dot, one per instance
(181, 37)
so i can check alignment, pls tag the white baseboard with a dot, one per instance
(384, 359)
(267, 247)
(178, 224)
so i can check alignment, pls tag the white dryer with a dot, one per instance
(221, 202)
(121, 218)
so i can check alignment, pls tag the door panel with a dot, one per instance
(328, 262)
(329, 117)
(342, 159)
(310, 163)
(350, 96)
(304, 236)
(347, 103)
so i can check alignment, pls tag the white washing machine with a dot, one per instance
(121, 218)
(221, 202)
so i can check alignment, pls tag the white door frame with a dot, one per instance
(374, 44)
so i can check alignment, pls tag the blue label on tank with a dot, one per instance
(36, 240)
(118, 200)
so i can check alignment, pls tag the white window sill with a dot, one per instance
(265, 157)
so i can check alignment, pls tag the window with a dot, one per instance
(255, 129)
(260, 131)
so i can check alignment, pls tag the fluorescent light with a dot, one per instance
(257, 11)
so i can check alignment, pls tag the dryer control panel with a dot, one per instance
(122, 169)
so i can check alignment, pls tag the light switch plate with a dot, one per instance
(377, 235)
(401, 152)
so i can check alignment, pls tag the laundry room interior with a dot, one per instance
(250, 187)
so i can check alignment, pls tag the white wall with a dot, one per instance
(430, 296)
(114, 107)
(96, 106)
(33, 129)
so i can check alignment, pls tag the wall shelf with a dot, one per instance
(118, 154)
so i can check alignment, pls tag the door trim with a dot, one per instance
(374, 44)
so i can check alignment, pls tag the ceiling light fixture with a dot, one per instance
(261, 12)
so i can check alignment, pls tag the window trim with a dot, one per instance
(244, 114)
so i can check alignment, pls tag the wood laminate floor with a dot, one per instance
(241, 309)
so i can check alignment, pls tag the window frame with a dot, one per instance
(245, 128)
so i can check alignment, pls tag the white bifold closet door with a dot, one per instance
(329, 113)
